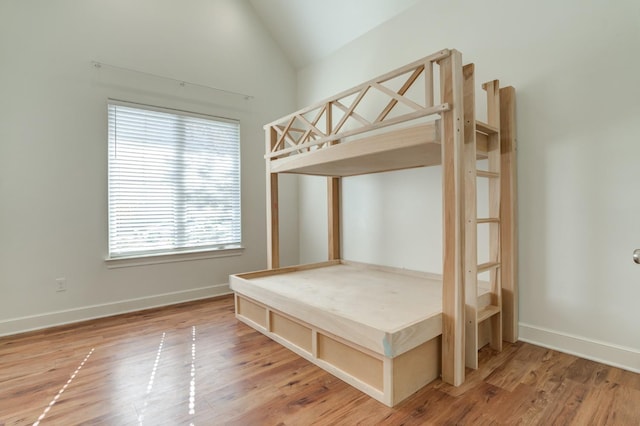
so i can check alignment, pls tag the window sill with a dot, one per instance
(182, 256)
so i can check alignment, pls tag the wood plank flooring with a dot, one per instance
(195, 364)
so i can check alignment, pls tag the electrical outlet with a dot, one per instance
(61, 284)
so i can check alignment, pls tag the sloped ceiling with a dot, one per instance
(308, 30)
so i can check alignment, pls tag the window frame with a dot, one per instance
(144, 257)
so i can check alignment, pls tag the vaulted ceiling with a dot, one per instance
(308, 30)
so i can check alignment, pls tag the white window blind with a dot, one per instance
(174, 181)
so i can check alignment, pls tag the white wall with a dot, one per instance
(575, 67)
(53, 144)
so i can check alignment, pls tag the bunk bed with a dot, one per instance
(390, 331)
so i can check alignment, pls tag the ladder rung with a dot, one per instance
(486, 174)
(487, 312)
(485, 128)
(488, 220)
(483, 267)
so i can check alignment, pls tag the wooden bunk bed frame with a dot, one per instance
(389, 331)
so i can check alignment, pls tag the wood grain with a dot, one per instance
(313, 138)
(453, 294)
(272, 212)
(470, 220)
(414, 146)
(494, 158)
(333, 216)
(244, 378)
(509, 214)
(386, 310)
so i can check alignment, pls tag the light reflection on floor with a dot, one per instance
(192, 384)
(60, 392)
(155, 375)
(151, 379)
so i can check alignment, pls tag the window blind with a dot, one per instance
(174, 181)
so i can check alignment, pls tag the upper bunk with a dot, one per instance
(388, 123)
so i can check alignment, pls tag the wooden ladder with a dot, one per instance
(483, 310)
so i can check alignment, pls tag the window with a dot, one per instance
(174, 181)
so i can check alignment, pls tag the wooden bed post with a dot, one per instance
(495, 252)
(470, 219)
(453, 295)
(273, 224)
(333, 204)
(508, 214)
(333, 196)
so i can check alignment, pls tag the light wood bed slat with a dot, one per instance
(485, 128)
(486, 174)
(484, 267)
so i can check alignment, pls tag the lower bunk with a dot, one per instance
(376, 328)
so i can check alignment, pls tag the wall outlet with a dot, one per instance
(61, 284)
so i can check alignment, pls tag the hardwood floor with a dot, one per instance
(195, 364)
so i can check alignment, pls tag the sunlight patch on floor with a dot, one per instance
(151, 379)
(61, 391)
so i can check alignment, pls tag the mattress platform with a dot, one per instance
(374, 327)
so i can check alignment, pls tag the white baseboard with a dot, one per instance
(51, 319)
(603, 352)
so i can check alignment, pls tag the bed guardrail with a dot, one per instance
(325, 123)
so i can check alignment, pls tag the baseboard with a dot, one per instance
(51, 319)
(603, 352)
